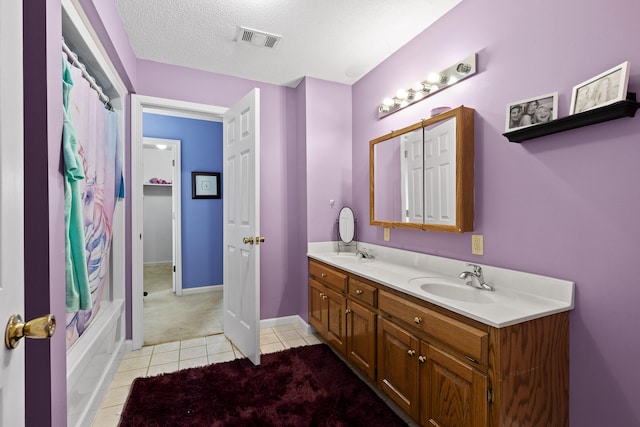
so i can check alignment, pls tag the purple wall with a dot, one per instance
(201, 151)
(279, 224)
(328, 147)
(565, 205)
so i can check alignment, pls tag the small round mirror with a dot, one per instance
(346, 225)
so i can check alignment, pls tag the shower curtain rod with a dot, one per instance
(72, 57)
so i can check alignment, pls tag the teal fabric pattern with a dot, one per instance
(78, 292)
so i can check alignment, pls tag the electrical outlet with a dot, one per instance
(387, 234)
(477, 244)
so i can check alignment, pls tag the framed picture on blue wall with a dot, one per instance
(205, 185)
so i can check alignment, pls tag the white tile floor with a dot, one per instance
(171, 357)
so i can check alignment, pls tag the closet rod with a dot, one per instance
(72, 57)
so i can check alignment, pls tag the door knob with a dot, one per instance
(42, 327)
(259, 240)
(248, 240)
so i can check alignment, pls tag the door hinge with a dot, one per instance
(490, 395)
(406, 154)
(174, 268)
(173, 162)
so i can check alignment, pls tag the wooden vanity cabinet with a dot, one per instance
(442, 368)
(328, 304)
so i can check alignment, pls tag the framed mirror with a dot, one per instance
(422, 176)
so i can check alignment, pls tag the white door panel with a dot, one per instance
(12, 362)
(241, 174)
(439, 173)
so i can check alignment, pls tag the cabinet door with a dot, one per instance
(336, 325)
(317, 312)
(398, 366)
(361, 338)
(452, 394)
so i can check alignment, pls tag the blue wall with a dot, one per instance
(201, 218)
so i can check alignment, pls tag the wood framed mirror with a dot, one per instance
(422, 176)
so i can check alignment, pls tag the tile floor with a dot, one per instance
(171, 357)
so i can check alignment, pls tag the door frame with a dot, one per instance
(176, 208)
(142, 104)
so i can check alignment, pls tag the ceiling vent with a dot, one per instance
(256, 38)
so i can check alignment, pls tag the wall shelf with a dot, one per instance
(613, 111)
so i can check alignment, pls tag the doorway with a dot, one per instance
(140, 105)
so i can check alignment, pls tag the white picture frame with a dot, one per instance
(606, 88)
(545, 109)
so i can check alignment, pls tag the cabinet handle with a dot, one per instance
(323, 275)
(418, 320)
(358, 292)
(411, 353)
(324, 296)
(347, 311)
(422, 359)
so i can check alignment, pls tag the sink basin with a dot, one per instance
(458, 292)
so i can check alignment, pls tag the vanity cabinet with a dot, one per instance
(442, 368)
(328, 304)
(361, 326)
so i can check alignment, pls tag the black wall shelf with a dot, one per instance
(613, 111)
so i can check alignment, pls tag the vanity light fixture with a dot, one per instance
(433, 83)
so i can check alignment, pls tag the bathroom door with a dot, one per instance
(12, 363)
(241, 189)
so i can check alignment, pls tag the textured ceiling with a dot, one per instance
(335, 40)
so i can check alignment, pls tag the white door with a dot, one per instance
(440, 173)
(11, 208)
(241, 182)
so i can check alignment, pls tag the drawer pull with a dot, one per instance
(471, 359)
(422, 359)
(417, 319)
(324, 297)
(347, 311)
(411, 353)
(359, 292)
(323, 275)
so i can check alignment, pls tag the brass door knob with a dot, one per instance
(259, 240)
(323, 275)
(248, 240)
(418, 320)
(422, 359)
(347, 311)
(358, 292)
(411, 353)
(42, 327)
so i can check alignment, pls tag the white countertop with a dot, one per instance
(518, 296)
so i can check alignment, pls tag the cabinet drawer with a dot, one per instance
(363, 292)
(470, 341)
(328, 276)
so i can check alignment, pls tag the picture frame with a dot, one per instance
(606, 88)
(205, 185)
(521, 115)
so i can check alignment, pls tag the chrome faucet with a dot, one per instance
(477, 274)
(364, 253)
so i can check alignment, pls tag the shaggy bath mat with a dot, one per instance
(303, 386)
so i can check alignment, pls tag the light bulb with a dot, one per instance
(434, 78)
(388, 102)
(401, 93)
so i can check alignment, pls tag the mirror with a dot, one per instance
(346, 225)
(421, 176)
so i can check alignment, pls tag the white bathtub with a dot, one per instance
(92, 363)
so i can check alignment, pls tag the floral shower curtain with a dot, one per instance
(91, 192)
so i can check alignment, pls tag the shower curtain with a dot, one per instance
(99, 154)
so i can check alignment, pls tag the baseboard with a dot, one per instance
(295, 320)
(202, 289)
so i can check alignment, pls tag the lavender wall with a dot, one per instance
(328, 148)
(279, 294)
(201, 151)
(565, 205)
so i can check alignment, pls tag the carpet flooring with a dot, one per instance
(169, 318)
(304, 386)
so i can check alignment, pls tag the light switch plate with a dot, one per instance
(477, 244)
(387, 234)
